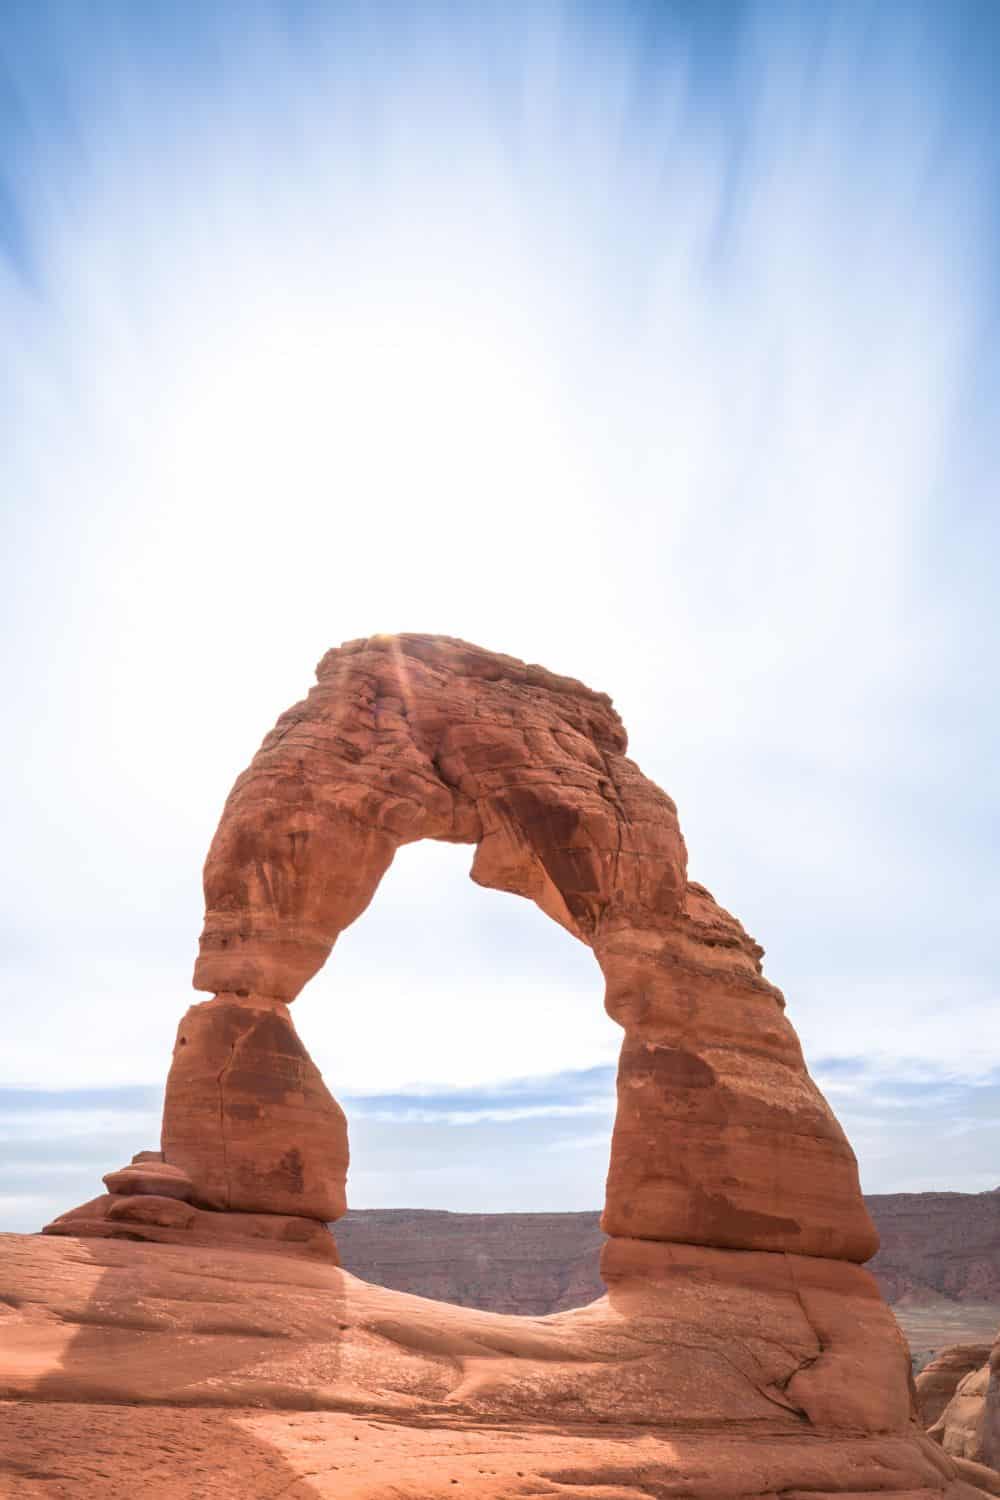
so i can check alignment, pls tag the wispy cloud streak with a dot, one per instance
(654, 342)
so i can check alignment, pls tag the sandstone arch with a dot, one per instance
(721, 1137)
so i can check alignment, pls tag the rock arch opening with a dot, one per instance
(465, 1036)
(721, 1138)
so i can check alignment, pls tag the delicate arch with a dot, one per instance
(721, 1137)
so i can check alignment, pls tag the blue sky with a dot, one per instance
(655, 343)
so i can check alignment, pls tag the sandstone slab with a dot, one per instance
(180, 1371)
(960, 1427)
(153, 1177)
(168, 1221)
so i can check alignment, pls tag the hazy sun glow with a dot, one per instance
(651, 342)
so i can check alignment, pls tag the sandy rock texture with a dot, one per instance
(721, 1136)
(939, 1380)
(969, 1424)
(248, 1117)
(164, 1221)
(132, 1368)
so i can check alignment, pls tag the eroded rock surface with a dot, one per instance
(723, 1374)
(165, 1221)
(721, 1137)
(969, 1425)
(248, 1117)
(941, 1377)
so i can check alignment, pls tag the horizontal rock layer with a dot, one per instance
(166, 1221)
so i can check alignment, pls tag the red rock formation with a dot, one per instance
(726, 1375)
(150, 1200)
(151, 1176)
(969, 1425)
(254, 1146)
(938, 1380)
(960, 1427)
(248, 1116)
(722, 1138)
(738, 1352)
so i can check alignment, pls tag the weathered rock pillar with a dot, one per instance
(247, 1115)
(721, 1137)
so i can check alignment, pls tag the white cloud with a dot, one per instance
(918, 1030)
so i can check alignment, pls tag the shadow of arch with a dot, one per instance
(144, 1358)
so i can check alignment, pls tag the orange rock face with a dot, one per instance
(153, 1177)
(941, 1376)
(721, 1138)
(248, 1117)
(165, 1221)
(968, 1426)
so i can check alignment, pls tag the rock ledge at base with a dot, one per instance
(168, 1371)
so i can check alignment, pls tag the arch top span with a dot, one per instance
(415, 736)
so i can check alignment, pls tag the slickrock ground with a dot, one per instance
(130, 1369)
(74, 1452)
